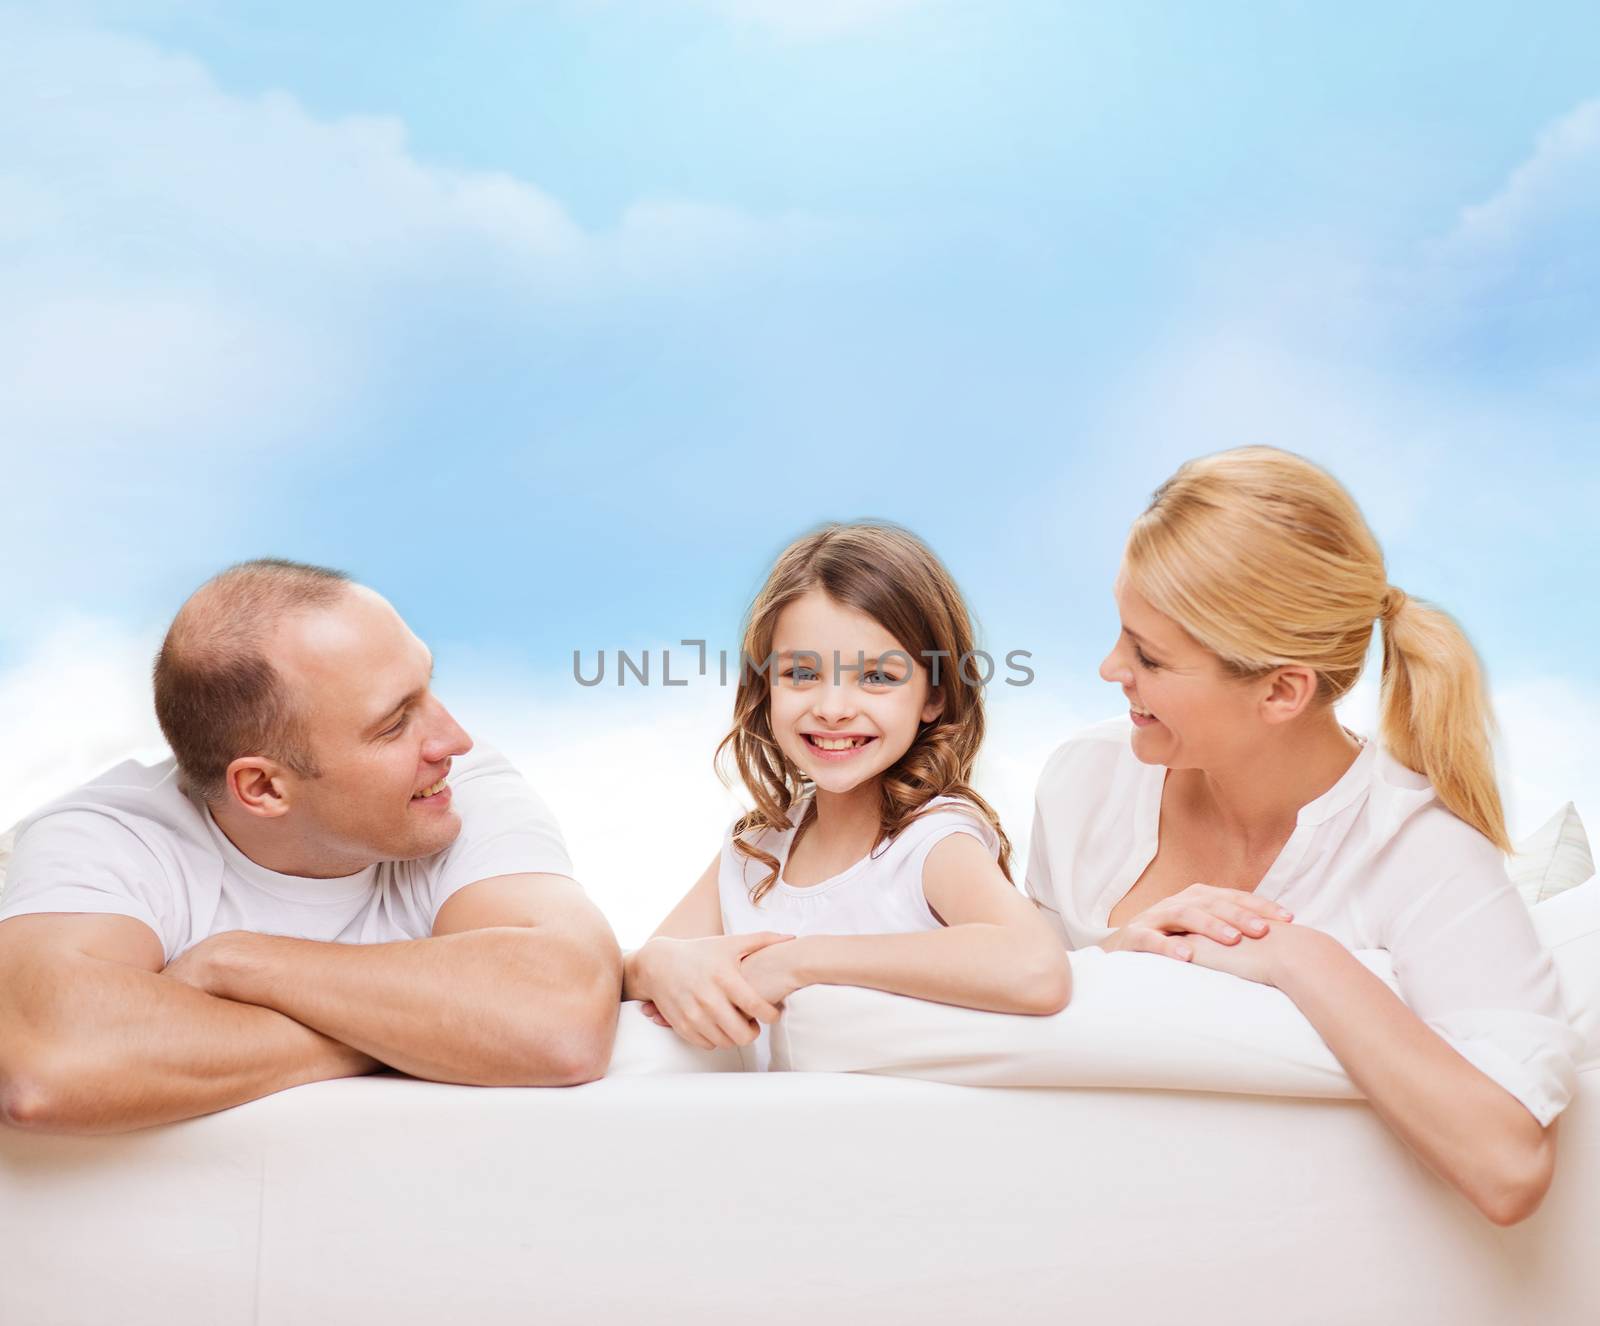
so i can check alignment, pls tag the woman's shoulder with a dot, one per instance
(1405, 814)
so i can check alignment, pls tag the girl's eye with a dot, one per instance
(878, 677)
(1143, 661)
(801, 673)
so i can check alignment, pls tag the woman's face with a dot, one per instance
(845, 700)
(1187, 712)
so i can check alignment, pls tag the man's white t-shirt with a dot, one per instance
(1377, 861)
(881, 894)
(132, 843)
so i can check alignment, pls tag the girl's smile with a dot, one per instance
(836, 746)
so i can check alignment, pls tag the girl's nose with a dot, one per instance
(833, 703)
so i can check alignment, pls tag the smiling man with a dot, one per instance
(327, 878)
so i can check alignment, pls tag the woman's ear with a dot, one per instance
(1290, 692)
(934, 706)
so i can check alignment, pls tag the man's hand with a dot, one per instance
(207, 965)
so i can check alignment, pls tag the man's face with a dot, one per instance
(360, 680)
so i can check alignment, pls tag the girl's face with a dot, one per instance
(1187, 712)
(845, 698)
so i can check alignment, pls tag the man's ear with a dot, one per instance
(1289, 692)
(258, 786)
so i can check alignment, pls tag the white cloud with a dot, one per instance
(1558, 184)
(201, 291)
(183, 263)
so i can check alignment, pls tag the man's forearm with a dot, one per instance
(107, 1048)
(501, 1006)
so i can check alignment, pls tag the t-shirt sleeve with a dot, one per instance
(85, 861)
(933, 829)
(1469, 964)
(506, 829)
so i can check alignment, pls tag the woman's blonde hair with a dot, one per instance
(1267, 561)
(889, 574)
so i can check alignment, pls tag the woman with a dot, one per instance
(1238, 825)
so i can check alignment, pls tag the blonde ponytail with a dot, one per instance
(1435, 713)
(1267, 561)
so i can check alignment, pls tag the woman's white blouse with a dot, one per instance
(1377, 861)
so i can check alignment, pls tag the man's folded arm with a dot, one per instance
(94, 1040)
(519, 985)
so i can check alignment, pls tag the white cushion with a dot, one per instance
(1553, 859)
(1136, 1020)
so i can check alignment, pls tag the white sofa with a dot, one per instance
(1220, 1189)
(678, 1190)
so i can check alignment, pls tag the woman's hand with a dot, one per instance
(1264, 959)
(697, 987)
(1222, 915)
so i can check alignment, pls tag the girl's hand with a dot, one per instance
(697, 988)
(1222, 915)
(771, 972)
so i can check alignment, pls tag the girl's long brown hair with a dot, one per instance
(886, 572)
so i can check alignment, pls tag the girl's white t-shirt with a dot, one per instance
(1377, 861)
(880, 894)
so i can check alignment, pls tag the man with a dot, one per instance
(325, 879)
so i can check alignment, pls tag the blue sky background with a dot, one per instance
(555, 319)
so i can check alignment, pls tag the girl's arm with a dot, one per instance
(698, 913)
(688, 972)
(995, 952)
(1472, 1132)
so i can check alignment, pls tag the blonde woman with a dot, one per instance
(1230, 820)
(868, 858)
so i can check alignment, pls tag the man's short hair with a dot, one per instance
(218, 696)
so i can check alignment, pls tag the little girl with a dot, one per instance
(868, 859)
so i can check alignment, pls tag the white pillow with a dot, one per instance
(1553, 859)
(6, 840)
(1136, 1020)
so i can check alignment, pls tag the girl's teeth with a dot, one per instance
(841, 743)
